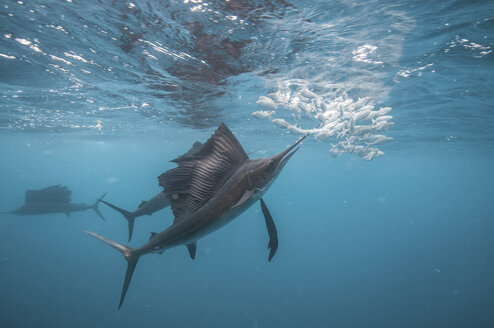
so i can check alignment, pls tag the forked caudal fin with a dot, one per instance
(129, 254)
(128, 215)
(95, 206)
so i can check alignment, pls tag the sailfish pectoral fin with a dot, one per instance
(192, 247)
(245, 197)
(273, 233)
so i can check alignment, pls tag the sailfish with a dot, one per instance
(53, 199)
(154, 204)
(207, 190)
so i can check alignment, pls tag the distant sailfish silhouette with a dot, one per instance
(53, 199)
(155, 204)
(207, 190)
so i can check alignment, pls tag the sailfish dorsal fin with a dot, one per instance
(199, 175)
(51, 194)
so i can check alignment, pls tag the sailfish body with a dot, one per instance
(53, 199)
(207, 190)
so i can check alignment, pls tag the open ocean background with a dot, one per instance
(373, 232)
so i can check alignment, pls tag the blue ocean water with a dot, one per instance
(384, 216)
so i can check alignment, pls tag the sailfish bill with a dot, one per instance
(208, 189)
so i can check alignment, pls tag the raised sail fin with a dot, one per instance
(51, 194)
(199, 175)
(195, 148)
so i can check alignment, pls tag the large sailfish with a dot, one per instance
(207, 190)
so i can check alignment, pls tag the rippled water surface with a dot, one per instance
(120, 66)
(384, 215)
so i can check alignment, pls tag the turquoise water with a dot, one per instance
(384, 215)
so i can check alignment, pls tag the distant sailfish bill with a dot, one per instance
(208, 189)
(53, 199)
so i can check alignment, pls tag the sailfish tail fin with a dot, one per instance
(129, 254)
(96, 208)
(128, 215)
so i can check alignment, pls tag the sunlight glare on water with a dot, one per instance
(69, 66)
